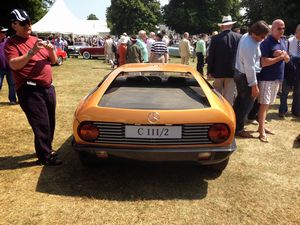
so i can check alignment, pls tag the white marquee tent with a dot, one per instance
(59, 19)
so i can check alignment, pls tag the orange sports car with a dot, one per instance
(155, 112)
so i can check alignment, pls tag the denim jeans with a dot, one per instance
(10, 82)
(283, 107)
(243, 102)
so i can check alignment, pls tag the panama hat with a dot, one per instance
(226, 20)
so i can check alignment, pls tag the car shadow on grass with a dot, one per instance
(123, 181)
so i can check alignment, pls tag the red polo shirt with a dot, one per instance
(38, 69)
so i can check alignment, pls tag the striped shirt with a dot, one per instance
(159, 48)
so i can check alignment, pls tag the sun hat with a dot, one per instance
(19, 15)
(226, 20)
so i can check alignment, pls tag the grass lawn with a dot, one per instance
(261, 184)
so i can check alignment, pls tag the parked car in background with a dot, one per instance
(74, 50)
(90, 52)
(61, 56)
(155, 112)
(174, 50)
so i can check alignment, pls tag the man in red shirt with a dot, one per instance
(30, 61)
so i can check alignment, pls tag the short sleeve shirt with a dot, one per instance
(268, 47)
(38, 69)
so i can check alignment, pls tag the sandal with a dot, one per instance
(263, 138)
(269, 131)
(244, 134)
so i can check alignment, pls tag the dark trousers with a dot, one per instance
(39, 106)
(286, 87)
(254, 111)
(200, 62)
(243, 102)
(10, 82)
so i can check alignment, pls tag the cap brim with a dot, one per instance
(227, 23)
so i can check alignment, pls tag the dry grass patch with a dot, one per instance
(260, 186)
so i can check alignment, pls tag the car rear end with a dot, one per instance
(155, 120)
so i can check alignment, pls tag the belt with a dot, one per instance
(32, 83)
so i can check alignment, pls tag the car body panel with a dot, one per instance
(74, 50)
(93, 51)
(174, 50)
(61, 55)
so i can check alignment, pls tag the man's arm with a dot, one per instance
(20, 61)
(265, 61)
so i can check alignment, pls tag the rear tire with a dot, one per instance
(86, 55)
(59, 61)
(219, 167)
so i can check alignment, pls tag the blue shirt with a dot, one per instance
(248, 58)
(268, 47)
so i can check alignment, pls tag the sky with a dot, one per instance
(82, 9)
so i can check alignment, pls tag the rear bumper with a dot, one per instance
(218, 154)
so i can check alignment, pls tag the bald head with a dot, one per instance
(278, 28)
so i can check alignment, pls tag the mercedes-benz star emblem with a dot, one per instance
(153, 117)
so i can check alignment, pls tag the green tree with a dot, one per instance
(92, 17)
(133, 15)
(268, 10)
(35, 8)
(199, 16)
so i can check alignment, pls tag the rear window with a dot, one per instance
(155, 90)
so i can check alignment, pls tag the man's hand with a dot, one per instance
(255, 91)
(277, 53)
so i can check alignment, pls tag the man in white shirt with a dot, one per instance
(291, 78)
(247, 65)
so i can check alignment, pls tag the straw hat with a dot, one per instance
(226, 20)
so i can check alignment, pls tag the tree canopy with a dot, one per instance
(35, 8)
(268, 10)
(199, 16)
(133, 15)
(92, 17)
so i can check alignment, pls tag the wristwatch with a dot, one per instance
(30, 53)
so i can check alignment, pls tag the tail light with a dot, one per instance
(88, 131)
(218, 133)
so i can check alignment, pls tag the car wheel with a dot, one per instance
(219, 167)
(86, 55)
(59, 60)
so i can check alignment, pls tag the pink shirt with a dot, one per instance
(38, 69)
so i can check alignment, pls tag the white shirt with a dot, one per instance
(248, 58)
(293, 46)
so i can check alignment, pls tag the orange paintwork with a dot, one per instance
(219, 112)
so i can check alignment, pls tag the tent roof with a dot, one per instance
(59, 19)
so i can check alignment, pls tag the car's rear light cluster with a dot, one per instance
(218, 133)
(87, 131)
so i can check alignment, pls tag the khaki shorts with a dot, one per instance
(268, 91)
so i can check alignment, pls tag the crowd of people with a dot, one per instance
(247, 69)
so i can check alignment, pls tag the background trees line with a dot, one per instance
(194, 16)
